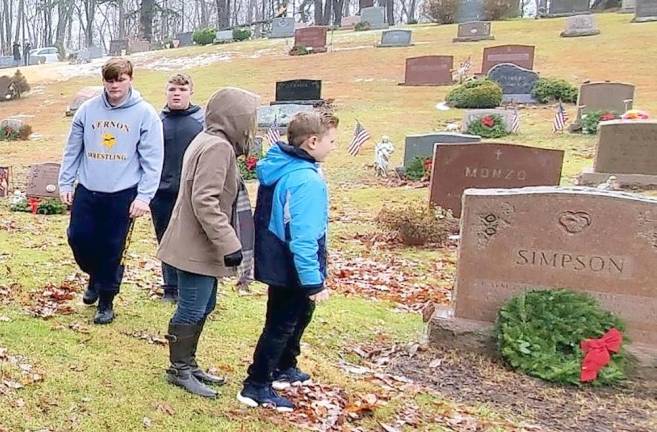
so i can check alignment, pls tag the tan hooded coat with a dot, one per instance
(200, 232)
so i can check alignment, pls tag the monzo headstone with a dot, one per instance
(626, 150)
(375, 17)
(516, 82)
(560, 8)
(580, 25)
(457, 167)
(299, 91)
(282, 28)
(313, 38)
(597, 242)
(519, 55)
(422, 145)
(473, 31)
(395, 38)
(431, 70)
(42, 180)
(646, 10)
(603, 96)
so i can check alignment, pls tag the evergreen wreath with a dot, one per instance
(489, 126)
(539, 332)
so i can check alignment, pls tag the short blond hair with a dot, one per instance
(181, 79)
(115, 67)
(304, 125)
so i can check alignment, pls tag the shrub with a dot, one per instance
(411, 22)
(24, 132)
(362, 26)
(489, 126)
(204, 36)
(417, 224)
(549, 90)
(498, 9)
(445, 11)
(591, 120)
(20, 82)
(482, 93)
(419, 168)
(299, 50)
(440, 11)
(49, 206)
(539, 332)
(240, 34)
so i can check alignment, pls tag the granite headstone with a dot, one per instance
(645, 11)
(516, 82)
(519, 55)
(375, 17)
(457, 167)
(473, 31)
(431, 70)
(42, 180)
(422, 145)
(282, 28)
(395, 38)
(580, 25)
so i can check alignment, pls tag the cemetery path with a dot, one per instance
(473, 379)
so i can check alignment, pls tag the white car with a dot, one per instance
(50, 54)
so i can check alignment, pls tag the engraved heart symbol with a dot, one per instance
(574, 222)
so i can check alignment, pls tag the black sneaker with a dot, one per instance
(290, 376)
(90, 296)
(104, 315)
(264, 396)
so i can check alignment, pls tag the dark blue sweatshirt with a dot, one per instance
(180, 128)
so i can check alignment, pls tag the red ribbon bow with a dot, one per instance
(34, 204)
(597, 353)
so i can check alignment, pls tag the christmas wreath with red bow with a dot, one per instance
(561, 336)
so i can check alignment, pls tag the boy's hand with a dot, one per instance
(320, 296)
(66, 197)
(138, 209)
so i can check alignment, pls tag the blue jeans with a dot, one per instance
(161, 208)
(197, 296)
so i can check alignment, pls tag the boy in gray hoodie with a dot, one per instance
(115, 152)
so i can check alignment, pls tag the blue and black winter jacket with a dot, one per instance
(291, 219)
(180, 128)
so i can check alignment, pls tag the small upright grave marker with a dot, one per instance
(519, 55)
(42, 180)
(395, 38)
(580, 25)
(516, 82)
(474, 31)
(422, 145)
(299, 91)
(431, 70)
(312, 38)
(645, 11)
(282, 28)
(375, 17)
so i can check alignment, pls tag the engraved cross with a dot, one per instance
(498, 153)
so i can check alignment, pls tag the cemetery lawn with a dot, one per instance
(79, 377)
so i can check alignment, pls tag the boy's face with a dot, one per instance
(178, 96)
(319, 147)
(117, 89)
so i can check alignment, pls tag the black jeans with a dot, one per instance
(97, 234)
(161, 208)
(289, 311)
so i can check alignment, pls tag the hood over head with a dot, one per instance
(232, 112)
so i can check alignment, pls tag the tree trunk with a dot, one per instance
(319, 12)
(390, 11)
(90, 12)
(146, 11)
(338, 6)
(222, 13)
(205, 21)
(19, 21)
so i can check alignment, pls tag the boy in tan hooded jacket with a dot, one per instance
(200, 241)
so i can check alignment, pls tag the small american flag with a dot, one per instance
(560, 118)
(515, 120)
(466, 65)
(273, 135)
(360, 136)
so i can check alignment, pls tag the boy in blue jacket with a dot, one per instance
(291, 220)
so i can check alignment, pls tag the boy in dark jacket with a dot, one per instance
(181, 121)
(291, 219)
